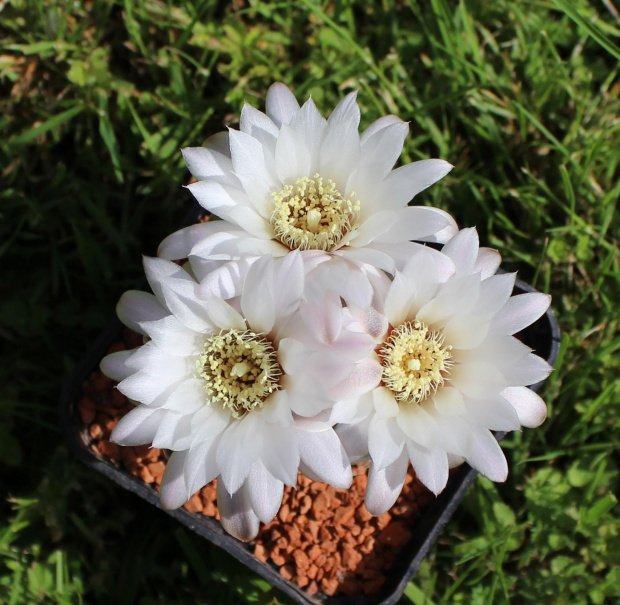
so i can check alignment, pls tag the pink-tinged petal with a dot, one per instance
(276, 409)
(374, 323)
(430, 466)
(486, 456)
(352, 411)
(323, 456)
(114, 365)
(377, 125)
(292, 355)
(527, 370)
(200, 466)
(208, 164)
(520, 311)
(265, 492)
(216, 198)
(251, 169)
(237, 516)
(138, 427)
(477, 380)
(495, 414)
(324, 321)
(417, 424)
(280, 452)
(494, 293)
(218, 142)
(414, 223)
(384, 486)
(385, 441)
(530, 408)
(281, 104)
(180, 244)
(367, 256)
(173, 492)
(404, 183)
(463, 250)
(257, 298)
(354, 438)
(365, 376)
(223, 315)
(487, 263)
(449, 401)
(306, 395)
(135, 307)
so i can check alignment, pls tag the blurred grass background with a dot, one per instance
(97, 97)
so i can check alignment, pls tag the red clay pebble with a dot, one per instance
(194, 504)
(395, 533)
(86, 408)
(260, 553)
(287, 572)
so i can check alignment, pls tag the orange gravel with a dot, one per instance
(323, 539)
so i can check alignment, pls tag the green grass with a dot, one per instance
(98, 98)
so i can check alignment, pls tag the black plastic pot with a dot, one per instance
(542, 336)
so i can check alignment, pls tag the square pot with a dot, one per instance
(542, 336)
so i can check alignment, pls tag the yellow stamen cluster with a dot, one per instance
(415, 361)
(239, 369)
(313, 215)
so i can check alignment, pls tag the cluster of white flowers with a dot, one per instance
(305, 330)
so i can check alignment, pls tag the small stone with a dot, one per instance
(194, 504)
(287, 572)
(260, 553)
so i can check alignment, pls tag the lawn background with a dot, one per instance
(96, 100)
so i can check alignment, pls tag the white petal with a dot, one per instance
(238, 447)
(399, 299)
(402, 184)
(477, 379)
(257, 298)
(530, 408)
(173, 432)
(224, 282)
(465, 332)
(430, 466)
(265, 492)
(237, 516)
(494, 293)
(354, 438)
(377, 125)
(280, 452)
(488, 262)
(281, 104)
(458, 295)
(385, 441)
(463, 250)
(352, 411)
(414, 222)
(384, 403)
(172, 336)
(257, 124)
(138, 427)
(188, 397)
(146, 387)
(173, 492)
(486, 456)
(376, 225)
(218, 142)
(223, 315)
(206, 163)
(288, 282)
(448, 401)
(217, 198)
(495, 414)
(365, 377)
(200, 467)
(249, 219)
(323, 456)
(324, 321)
(114, 366)
(368, 255)
(293, 159)
(208, 423)
(520, 311)
(180, 244)
(443, 235)
(528, 370)
(417, 424)
(306, 395)
(384, 486)
(310, 126)
(135, 306)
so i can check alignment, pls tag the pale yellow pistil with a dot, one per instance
(312, 214)
(415, 360)
(239, 370)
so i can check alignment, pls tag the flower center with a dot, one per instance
(415, 361)
(240, 370)
(312, 214)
